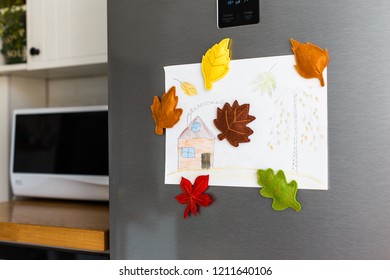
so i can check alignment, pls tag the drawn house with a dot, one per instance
(196, 146)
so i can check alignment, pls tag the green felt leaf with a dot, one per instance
(276, 187)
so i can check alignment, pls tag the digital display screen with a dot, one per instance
(72, 143)
(238, 12)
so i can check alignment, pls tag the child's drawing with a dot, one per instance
(290, 125)
(196, 147)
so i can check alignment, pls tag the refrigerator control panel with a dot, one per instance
(237, 12)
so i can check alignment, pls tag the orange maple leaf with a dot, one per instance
(311, 60)
(165, 113)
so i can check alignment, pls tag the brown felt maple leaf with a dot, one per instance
(194, 195)
(311, 60)
(232, 121)
(165, 113)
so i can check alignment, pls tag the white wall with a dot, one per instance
(4, 95)
(26, 93)
(78, 92)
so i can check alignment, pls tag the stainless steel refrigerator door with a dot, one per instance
(349, 221)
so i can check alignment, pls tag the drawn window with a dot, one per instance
(195, 127)
(187, 152)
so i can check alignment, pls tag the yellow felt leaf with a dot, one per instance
(311, 60)
(215, 63)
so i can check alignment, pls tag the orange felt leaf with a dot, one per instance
(165, 113)
(311, 60)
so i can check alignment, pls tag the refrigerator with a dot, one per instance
(349, 220)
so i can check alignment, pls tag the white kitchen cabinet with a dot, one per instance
(62, 33)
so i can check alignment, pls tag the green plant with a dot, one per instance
(13, 31)
(10, 3)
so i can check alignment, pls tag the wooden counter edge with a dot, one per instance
(69, 238)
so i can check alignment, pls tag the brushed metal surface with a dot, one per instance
(349, 221)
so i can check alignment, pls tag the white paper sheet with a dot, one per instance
(290, 129)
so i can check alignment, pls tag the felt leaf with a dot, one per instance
(276, 187)
(265, 83)
(232, 121)
(188, 88)
(311, 60)
(194, 196)
(165, 113)
(215, 63)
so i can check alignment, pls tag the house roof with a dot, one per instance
(196, 129)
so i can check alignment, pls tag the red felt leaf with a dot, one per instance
(183, 198)
(201, 184)
(186, 186)
(204, 200)
(194, 196)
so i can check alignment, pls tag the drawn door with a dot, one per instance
(206, 160)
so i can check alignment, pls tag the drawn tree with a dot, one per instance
(286, 121)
